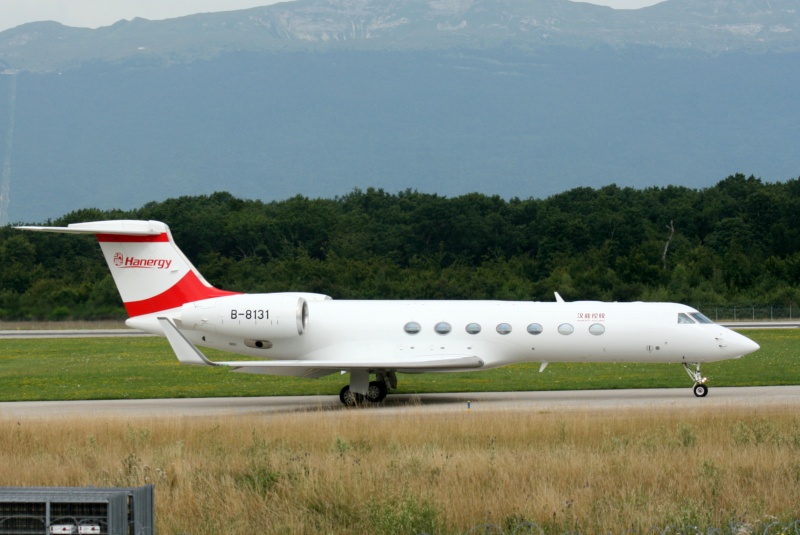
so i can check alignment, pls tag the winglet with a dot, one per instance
(559, 299)
(186, 352)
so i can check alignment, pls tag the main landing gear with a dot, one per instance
(361, 388)
(700, 389)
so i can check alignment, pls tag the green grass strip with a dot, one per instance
(135, 368)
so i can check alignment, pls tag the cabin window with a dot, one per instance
(597, 328)
(504, 328)
(412, 327)
(535, 328)
(442, 327)
(473, 328)
(700, 317)
(566, 328)
(683, 318)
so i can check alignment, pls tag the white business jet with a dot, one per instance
(312, 335)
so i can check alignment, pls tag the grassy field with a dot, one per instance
(114, 368)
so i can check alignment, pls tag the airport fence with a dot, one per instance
(750, 312)
(765, 527)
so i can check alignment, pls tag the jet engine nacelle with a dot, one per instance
(257, 317)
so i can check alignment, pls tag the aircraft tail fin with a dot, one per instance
(151, 273)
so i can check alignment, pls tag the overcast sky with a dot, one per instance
(95, 13)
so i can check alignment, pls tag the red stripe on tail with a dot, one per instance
(119, 238)
(188, 289)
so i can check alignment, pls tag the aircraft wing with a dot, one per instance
(318, 368)
(188, 353)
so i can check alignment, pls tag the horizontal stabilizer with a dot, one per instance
(122, 228)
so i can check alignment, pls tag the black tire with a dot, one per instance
(350, 399)
(376, 392)
(700, 390)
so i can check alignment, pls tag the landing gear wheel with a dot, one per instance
(377, 391)
(350, 399)
(700, 389)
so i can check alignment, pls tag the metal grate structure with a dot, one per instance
(77, 510)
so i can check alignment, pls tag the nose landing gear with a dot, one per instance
(700, 389)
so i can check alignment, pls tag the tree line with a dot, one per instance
(735, 242)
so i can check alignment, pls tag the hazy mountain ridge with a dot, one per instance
(509, 97)
(501, 121)
(710, 26)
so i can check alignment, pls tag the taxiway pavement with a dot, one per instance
(679, 399)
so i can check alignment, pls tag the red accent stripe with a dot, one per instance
(188, 289)
(119, 238)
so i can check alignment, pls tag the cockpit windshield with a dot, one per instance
(692, 317)
(700, 318)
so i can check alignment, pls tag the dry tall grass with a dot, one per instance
(367, 471)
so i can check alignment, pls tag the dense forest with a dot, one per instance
(737, 242)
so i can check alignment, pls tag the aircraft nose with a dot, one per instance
(740, 345)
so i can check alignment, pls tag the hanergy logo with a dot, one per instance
(143, 263)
